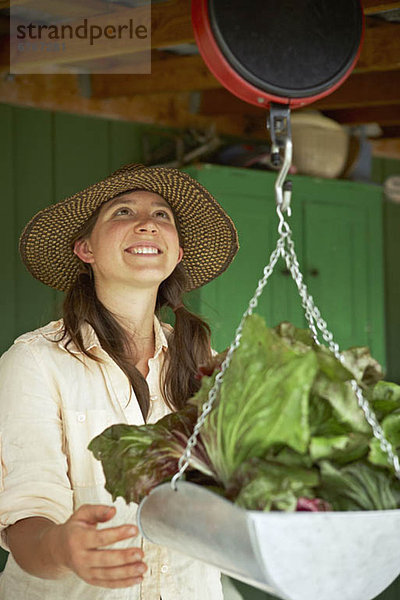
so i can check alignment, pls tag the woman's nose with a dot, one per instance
(146, 224)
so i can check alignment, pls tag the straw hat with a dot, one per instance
(209, 236)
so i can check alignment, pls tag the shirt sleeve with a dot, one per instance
(34, 467)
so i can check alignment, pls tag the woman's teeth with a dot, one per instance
(144, 251)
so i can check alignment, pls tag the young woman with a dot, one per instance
(122, 249)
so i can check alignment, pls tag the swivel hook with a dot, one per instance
(278, 122)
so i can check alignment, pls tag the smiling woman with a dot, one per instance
(122, 250)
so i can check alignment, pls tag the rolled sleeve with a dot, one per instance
(34, 467)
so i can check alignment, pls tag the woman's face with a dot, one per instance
(134, 241)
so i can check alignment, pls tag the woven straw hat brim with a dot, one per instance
(209, 236)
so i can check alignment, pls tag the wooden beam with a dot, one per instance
(373, 7)
(392, 131)
(364, 89)
(383, 115)
(5, 4)
(61, 93)
(67, 8)
(386, 148)
(4, 25)
(170, 25)
(360, 90)
(369, 6)
(381, 49)
(174, 74)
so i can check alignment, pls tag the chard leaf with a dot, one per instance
(302, 340)
(323, 422)
(136, 458)
(358, 486)
(341, 397)
(286, 456)
(263, 400)
(341, 449)
(265, 485)
(384, 398)
(365, 369)
(391, 429)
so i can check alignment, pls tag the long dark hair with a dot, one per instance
(188, 344)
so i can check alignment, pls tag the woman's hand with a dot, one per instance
(78, 545)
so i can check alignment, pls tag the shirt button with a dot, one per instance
(164, 569)
(81, 417)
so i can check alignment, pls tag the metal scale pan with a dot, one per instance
(280, 54)
(295, 556)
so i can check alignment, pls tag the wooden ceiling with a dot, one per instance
(180, 91)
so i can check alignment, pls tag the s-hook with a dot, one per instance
(278, 123)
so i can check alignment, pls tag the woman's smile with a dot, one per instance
(144, 248)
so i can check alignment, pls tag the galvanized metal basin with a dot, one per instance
(295, 556)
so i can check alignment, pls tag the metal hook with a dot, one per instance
(281, 137)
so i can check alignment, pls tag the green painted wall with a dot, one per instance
(44, 157)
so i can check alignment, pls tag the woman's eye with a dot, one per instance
(122, 211)
(162, 213)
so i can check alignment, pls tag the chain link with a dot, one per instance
(285, 249)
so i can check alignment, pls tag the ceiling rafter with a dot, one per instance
(180, 82)
(381, 51)
(384, 115)
(373, 7)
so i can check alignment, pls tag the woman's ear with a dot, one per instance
(82, 250)
(180, 255)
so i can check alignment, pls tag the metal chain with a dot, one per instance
(285, 248)
(312, 314)
(207, 406)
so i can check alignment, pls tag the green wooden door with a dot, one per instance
(337, 231)
(343, 257)
(248, 198)
(337, 270)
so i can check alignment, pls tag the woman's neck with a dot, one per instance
(134, 310)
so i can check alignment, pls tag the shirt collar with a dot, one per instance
(90, 339)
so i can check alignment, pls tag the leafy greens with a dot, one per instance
(285, 433)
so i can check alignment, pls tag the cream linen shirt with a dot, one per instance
(51, 406)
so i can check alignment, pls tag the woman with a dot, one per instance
(122, 250)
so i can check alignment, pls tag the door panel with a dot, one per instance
(248, 198)
(337, 267)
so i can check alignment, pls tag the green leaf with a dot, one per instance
(136, 458)
(391, 429)
(263, 400)
(384, 398)
(285, 427)
(358, 486)
(343, 400)
(342, 448)
(265, 485)
(365, 369)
